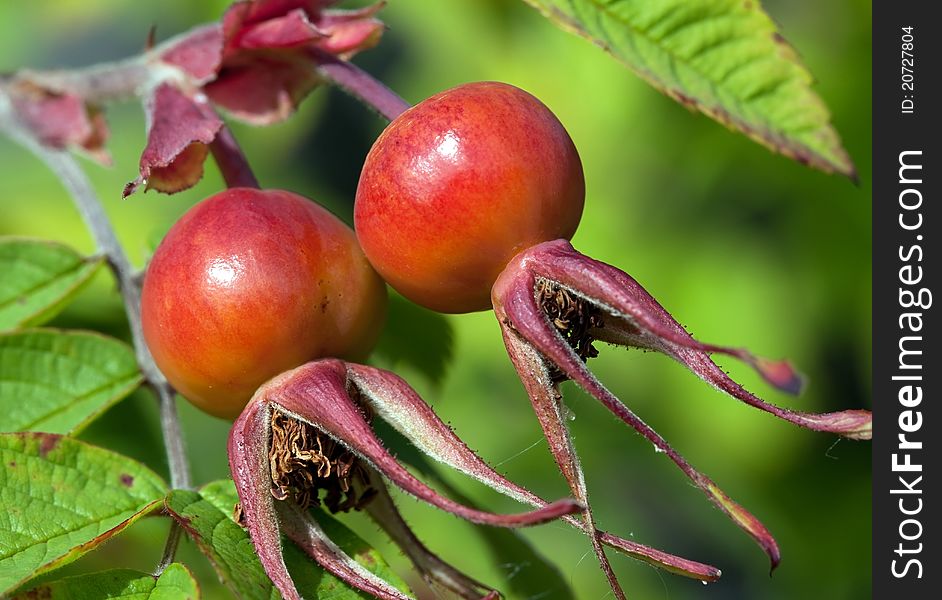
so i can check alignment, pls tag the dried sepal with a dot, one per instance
(60, 120)
(180, 128)
(265, 517)
(263, 90)
(350, 31)
(531, 338)
(547, 404)
(662, 560)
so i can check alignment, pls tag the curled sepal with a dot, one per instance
(630, 316)
(390, 398)
(553, 281)
(180, 129)
(317, 393)
(248, 463)
(548, 405)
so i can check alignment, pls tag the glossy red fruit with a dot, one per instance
(250, 283)
(458, 185)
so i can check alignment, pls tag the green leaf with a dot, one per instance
(39, 279)
(207, 516)
(416, 337)
(60, 498)
(175, 583)
(723, 57)
(58, 382)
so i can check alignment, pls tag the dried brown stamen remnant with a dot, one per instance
(303, 461)
(573, 317)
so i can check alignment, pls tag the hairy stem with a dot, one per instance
(74, 179)
(106, 82)
(97, 84)
(360, 84)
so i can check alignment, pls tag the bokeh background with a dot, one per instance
(744, 247)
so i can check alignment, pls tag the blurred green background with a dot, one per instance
(742, 246)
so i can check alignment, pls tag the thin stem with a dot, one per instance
(170, 548)
(360, 84)
(97, 84)
(231, 161)
(75, 180)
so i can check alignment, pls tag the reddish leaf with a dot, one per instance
(181, 127)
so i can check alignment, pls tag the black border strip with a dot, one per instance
(906, 231)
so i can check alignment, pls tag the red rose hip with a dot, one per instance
(458, 185)
(250, 283)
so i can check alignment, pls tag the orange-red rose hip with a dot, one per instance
(458, 185)
(250, 283)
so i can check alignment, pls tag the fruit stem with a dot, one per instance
(231, 161)
(360, 84)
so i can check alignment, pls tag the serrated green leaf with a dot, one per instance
(416, 337)
(175, 583)
(60, 498)
(207, 516)
(723, 57)
(39, 278)
(58, 381)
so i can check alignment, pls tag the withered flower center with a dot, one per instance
(303, 461)
(573, 317)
